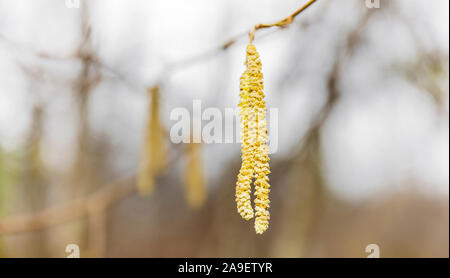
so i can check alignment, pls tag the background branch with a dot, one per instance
(93, 204)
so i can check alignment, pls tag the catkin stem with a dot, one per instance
(285, 21)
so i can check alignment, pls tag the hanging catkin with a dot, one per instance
(194, 178)
(245, 176)
(254, 148)
(153, 155)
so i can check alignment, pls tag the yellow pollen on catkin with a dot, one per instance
(254, 148)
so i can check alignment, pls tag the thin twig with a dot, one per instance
(226, 45)
(282, 23)
(172, 66)
(96, 203)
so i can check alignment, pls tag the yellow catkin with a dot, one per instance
(153, 155)
(261, 149)
(245, 176)
(194, 177)
(254, 148)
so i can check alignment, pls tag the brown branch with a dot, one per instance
(96, 203)
(282, 23)
(178, 64)
(228, 43)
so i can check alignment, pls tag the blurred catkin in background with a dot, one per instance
(153, 154)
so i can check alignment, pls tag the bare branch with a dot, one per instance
(96, 203)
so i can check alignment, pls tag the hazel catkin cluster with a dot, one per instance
(254, 148)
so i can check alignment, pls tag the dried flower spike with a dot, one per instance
(254, 148)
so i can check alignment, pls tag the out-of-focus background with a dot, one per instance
(363, 133)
